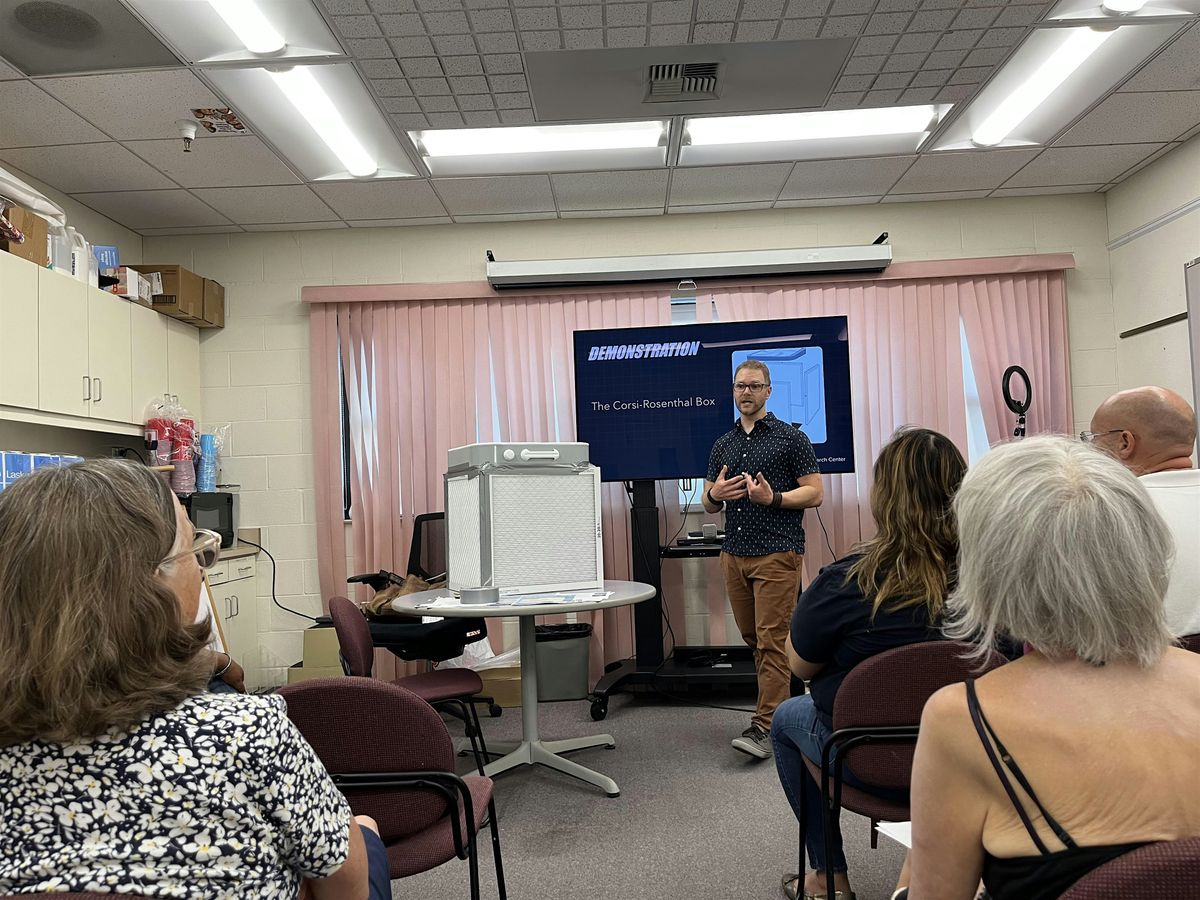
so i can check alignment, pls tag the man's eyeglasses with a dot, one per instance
(753, 387)
(206, 546)
(1089, 437)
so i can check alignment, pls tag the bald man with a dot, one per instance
(1152, 431)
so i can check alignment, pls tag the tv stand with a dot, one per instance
(688, 666)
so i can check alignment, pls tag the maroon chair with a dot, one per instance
(389, 752)
(452, 688)
(1167, 870)
(875, 719)
(1190, 642)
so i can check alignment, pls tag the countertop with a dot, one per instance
(238, 551)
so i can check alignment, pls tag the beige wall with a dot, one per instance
(256, 374)
(1147, 269)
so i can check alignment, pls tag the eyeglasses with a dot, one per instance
(206, 546)
(1089, 437)
(753, 387)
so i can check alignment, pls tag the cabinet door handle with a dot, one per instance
(237, 604)
(99, 384)
(243, 571)
(87, 388)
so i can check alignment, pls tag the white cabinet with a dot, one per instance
(148, 331)
(69, 350)
(18, 324)
(235, 601)
(183, 361)
(110, 361)
(64, 381)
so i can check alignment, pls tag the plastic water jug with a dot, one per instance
(79, 255)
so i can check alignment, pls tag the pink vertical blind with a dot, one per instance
(424, 376)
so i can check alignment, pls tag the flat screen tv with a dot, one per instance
(650, 402)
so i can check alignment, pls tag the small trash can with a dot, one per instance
(562, 661)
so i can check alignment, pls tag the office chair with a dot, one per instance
(875, 719)
(1167, 870)
(391, 755)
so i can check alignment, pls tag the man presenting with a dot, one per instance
(1152, 431)
(764, 474)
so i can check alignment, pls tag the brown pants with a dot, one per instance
(762, 591)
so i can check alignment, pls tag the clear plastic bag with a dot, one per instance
(479, 656)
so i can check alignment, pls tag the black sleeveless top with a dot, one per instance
(1047, 875)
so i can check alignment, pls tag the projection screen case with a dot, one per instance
(524, 518)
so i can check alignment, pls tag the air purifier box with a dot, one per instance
(524, 518)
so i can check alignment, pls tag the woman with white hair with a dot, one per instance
(1086, 747)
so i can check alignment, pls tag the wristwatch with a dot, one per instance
(714, 502)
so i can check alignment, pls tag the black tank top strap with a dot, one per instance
(984, 729)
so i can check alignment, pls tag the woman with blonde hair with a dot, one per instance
(1086, 747)
(119, 773)
(887, 593)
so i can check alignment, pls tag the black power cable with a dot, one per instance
(274, 570)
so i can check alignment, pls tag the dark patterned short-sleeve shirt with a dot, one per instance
(783, 454)
(218, 798)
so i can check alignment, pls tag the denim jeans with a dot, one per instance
(796, 732)
(378, 879)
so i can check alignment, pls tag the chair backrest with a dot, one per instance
(354, 636)
(890, 689)
(1190, 642)
(1168, 870)
(361, 726)
(427, 553)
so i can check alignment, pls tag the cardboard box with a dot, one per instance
(214, 304)
(36, 231)
(297, 674)
(131, 284)
(321, 647)
(182, 294)
(502, 684)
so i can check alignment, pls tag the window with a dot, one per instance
(977, 440)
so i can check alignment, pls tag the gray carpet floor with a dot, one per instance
(696, 820)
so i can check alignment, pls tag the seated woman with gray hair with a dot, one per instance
(1087, 747)
(119, 773)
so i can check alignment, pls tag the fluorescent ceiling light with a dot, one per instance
(311, 101)
(1040, 84)
(1123, 7)
(250, 25)
(811, 126)
(540, 139)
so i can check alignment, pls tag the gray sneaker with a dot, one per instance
(754, 742)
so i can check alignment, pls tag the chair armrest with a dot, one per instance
(448, 784)
(848, 738)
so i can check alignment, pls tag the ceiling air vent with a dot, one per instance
(672, 82)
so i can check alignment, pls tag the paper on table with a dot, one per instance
(516, 600)
(900, 832)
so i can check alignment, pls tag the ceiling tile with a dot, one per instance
(29, 118)
(1081, 165)
(233, 161)
(7, 72)
(968, 171)
(496, 195)
(404, 47)
(634, 37)
(152, 209)
(828, 201)
(611, 190)
(344, 7)
(608, 213)
(396, 223)
(295, 226)
(137, 105)
(462, 65)
(203, 229)
(719, 207)
(1038, 191)
(357, 26)
(267, 204)
(618, 15)
(1134, 118)
(844, 177)
(410, 199)
(506, 217)
(1174, 69)
(943, 195)
(73, 168)
(728, 184)
(381, 68)
(717, 10)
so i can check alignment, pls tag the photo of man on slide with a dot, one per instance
(764, 474)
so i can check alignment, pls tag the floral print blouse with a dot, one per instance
(218, 798)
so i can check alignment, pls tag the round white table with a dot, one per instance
(531, 749)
